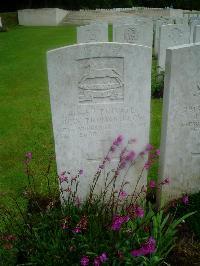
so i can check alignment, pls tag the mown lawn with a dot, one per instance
(25, 116)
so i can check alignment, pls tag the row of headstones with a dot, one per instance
(169, 35)
(139, 30)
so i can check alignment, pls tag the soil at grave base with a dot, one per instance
(187, 249)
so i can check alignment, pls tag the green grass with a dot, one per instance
(25, 116)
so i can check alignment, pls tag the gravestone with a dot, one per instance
(95, 32)
(179, 20)
(171, 35)
(197, 33)
(193, 23)
(159, 22)
(135, 33)
(180, 138)
(1, 23)
(98, 91)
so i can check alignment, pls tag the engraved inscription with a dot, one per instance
(175, 35)
(130, 34)
(101, 80)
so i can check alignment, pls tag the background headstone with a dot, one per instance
(171, 35)
(193, 22)
(180, 139)
(158, 24)
(197, 33)
(95, 32)
(98, 91)
(135, 33)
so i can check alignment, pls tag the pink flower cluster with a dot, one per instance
(100, 259)
(118, 221)
(97, 260)
(147, 248)
(135, 211)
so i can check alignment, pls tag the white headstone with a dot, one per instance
(1, 23)
(197, 33)
(193, 23)
(183, 20)
(98, 91)
(171, 35)
(135, 33)
(180, 140)
(95, 32)
(159, 23)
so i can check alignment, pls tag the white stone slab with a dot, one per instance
(171, 35)
(1, 23)
(41, 17)
(135, 33)
(180, 140)
(197, 33)
(193, 23)
(95, 32)
(179, 20)
(159, 23)
(98, 91)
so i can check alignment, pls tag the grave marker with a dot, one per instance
(180, 139)
(97, 92)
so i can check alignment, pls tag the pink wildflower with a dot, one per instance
(80, 172)
(185, 199)
(63, 178)
(118, 221)
(130, 156)
(118, 140)
(152, 184)
(77, 201)
(149, 147)
(29, 155)
(166, 181)
(158, 152)
(147, 165)
(147, 248)
(122, 164)
(84, 261)
(97, 261)
(139, 212)
(76, 230)
(122, 194)
(103, 257)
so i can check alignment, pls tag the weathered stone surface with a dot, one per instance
(98, 91)
(158, 24)
(180, 140)
(133, 33)
(171, 35)
(41, 17)
(197, 33)
(193, 24)
(95, 32)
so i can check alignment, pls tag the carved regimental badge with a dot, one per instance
(101, 80)
(130, 34)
